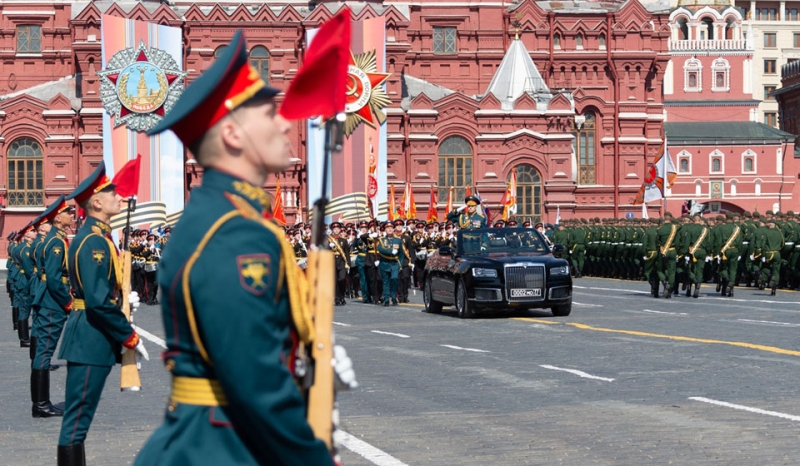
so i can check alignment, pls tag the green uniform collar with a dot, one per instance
(94, 222)
(255, 195)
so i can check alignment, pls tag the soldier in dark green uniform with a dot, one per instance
(697, 239)
(54, 301)
(22, 254)
(667, 236)
(11, 272)
(41, 228)
(390, 248)
(730, 243)
(652, 257)
(769, 250)
(233, 305)
(96, 329)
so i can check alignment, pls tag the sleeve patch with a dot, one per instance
(255, 272)
(98, 256)
(57, 250)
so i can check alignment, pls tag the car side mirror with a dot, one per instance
(558, 249)
(445, 251)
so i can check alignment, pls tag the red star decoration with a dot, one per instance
(375, 80)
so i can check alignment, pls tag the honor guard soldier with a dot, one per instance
(730, 241)
(235, 308)
(769, 250)
(54, 302)
(11, 268)
(389, 249)
(361, 246)
(341, 252)
(96, 329)
(667, 235)
(697, 239)
(41, 228)
(419, 246)
(652, 257)
(22, 255)
(468, 215)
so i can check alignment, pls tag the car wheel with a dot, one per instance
(431, 306)
(463, 306)
(562, 310)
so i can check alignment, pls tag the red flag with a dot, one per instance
(277, 210)
(127, 178)
(433, 215)
(449, 207)
(391, 211)
(320, 86)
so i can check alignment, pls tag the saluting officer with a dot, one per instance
(468, 215)
(96, 328)
(238, 310)
(54, 302)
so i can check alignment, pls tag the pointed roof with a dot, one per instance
(517, 75)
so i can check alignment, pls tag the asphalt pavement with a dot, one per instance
(624, 380)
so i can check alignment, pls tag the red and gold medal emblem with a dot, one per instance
(366, 97)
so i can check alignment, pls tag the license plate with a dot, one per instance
(526, 292)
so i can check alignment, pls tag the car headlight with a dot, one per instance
(484, 273)
(563, 270)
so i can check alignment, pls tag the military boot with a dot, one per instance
(40, 395)
(667, 291)
(71, 455)
(696, 290)
(24, 333)
(15, 316)
(33, 347)
(688, 289)
(773, 288)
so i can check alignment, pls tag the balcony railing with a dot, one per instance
(713, 44)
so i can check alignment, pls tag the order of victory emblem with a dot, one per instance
(366, 97)
(139, 86)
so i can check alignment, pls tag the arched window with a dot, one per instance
(601, 40)
(707, 31)
(684, 166)
(720, 69)
(25, 185)
(693, 75)
(557, 41)
(219, 51)
(529, 193)
(716, 165)
(684, 28)
(579, 42)
(455, 167)
(259, 58)
(585, 148)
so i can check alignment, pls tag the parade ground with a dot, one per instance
(624, 380)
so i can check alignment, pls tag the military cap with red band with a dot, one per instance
(230, 82)
(93, 184)
(60, 205)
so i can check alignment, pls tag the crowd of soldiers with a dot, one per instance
(681, 254)
(146, 248)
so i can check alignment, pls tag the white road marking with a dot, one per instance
(787, 324)
(577, 372)
(609, 289)
(392, 334)
(746, 408)
(372, 454)
(144, 333)
(587, 305)
(713, 298)
(466, 349)
(664, 312)
(343, 325)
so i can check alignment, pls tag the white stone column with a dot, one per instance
(753, 14)
(783, 11)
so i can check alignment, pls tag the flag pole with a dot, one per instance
(664, 175)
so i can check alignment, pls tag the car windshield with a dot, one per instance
(505, 240)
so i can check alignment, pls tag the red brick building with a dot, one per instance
(577, 109)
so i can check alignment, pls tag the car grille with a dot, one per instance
(525, 282)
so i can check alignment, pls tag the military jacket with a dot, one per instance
(729, 237)
(54, 294)
(698, 238)
(390, 249)
(228, 277)
(23, 255)
(96, 328)
(465, 220)
(667, 236)
(771, 240)
(36, 279)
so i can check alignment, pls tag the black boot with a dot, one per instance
(730, 291)
(654, 288)
(71, 455)
(15, 316)
(394, 301)
(40, 395)
(667, 291)
(33, 347)
(773, 288)
(688, 290)
(24, 334)
(723, 285)
(696, 290)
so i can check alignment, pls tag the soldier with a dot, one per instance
(729, 241)
(22, 255)
(152, 256)
(41, 227)
(469, 215)
(419, 247)
(697, 239)
(11, 272)
(54, 302)
(651, 256)
(361, 247)
(231, 323)
(96, 328)
(406, 261)
(341, 252)
(769, 250)
(667, 235)
(389, 249)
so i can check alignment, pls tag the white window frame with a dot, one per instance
(692, 65)
(711, 157)
(721, 65)
(749, 153)
(684, 154)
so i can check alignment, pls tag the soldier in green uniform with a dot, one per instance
(769, 252)
(468, 215)
(697, 239)
(41, 228)
(22, 254)
(10, 274)
(389, 249)
(54, 301)
(361, 246)
(729, 242)
(652, 257)
(96, 329)
(667, 236)
(234, 306)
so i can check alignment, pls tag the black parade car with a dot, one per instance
(497, 269)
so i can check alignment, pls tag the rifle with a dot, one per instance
(129, 372)
(320, 274)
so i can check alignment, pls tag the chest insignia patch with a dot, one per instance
(57, 250)
(255, 272)
(98, 255)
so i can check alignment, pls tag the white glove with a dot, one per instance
(343, 367)
(752, 258)
(708, 258)
(570, 251)
(394, 251)
(412, 267)
(644, 258)
(141, 351)
(133, 300)
(377, 263)
(330, 245)
(763, 259)
(719, 259)
(462, 208)
(686, 259)
(373, 235)
(483, 248)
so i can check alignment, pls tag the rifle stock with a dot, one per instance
(321, 296)
(129, 372)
